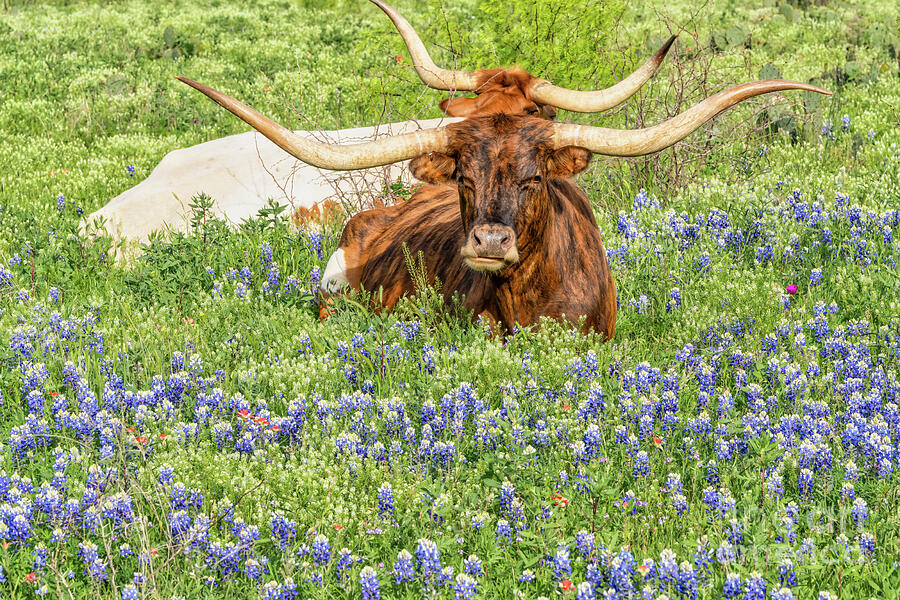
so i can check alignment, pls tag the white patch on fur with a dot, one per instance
(335, 276)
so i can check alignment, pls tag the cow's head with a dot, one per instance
(501, 165)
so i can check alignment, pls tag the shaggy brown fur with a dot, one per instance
(499, 171)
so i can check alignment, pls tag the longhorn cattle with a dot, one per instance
(242, 172)
(501, 223)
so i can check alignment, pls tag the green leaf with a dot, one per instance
(169, 37)
(736, 36)
(117, 85)
(770, 71)
(787, 11)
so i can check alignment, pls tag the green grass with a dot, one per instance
(88, 88)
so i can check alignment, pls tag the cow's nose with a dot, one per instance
(492, 241)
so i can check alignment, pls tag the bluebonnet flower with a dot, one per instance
(845, 123)
(284, 530)
(703, 262)
(403, 567)
(733, 586)
(385, 499)
(640, 304)
(585, 591)
(368, 581)
(859, 512)
(562, 568)
(321, 550)
(679, 504)
(507, 492)
(130, 169)
(130, 592)
(755, 588)
(6, 278)
(687, 584)
(265, 255)
(472, 566)
(725, 553)
(527, 576)
(674, 301)
(315, 243)
(787, 576)
(848, 492)
(584, 541)
(503, 533)
(867, 545)
(815, 277)
(782, 594)
(60, 202)
(775, 486)
(641, 464)
(428, 558)
(643, 201)
(465, 587)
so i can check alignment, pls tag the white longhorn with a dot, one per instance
(241, 173)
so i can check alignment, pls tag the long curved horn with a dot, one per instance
(336, 157)
(637, 142)
(431, 75)
(545, 92)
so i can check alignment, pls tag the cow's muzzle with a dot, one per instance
(490, 248)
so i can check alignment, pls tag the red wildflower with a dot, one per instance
(566, 585)
(338, 526)
(275, 428)
(566, 406)
(262, 420)
(561, 501)
(31, 577)
(162, 436)
(130, 429)
(244, 413)
(399, 59)
(189, 321)
(141, 440)
(657, 441)
(54, 394)
(643, 569)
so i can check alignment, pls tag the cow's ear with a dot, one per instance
(434, 167)
(567, 161)
(458, 107)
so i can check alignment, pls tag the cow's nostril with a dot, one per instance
(477, 239)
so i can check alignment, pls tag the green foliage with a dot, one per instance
(80, 103)
(554, 39)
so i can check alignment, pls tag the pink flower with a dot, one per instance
(792, 289)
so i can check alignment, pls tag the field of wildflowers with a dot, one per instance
(187, 428)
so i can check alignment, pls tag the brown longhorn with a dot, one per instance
(501, 223)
